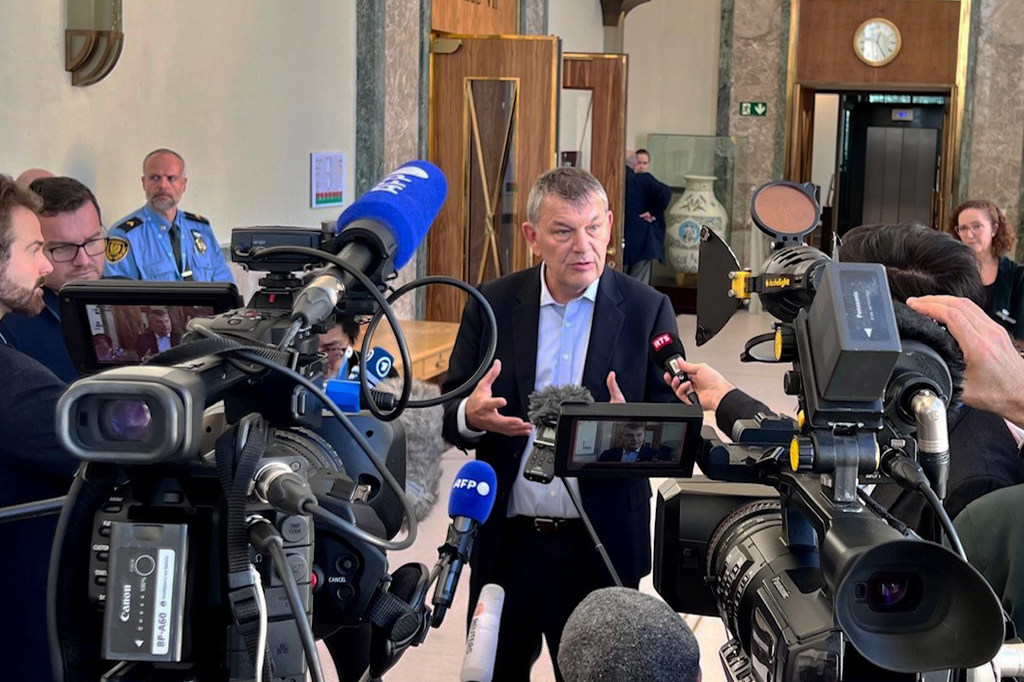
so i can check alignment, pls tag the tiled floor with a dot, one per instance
(439, 658)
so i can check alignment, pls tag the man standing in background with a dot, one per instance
(646, 201)
(161, 242)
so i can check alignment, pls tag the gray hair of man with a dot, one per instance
(573, 185)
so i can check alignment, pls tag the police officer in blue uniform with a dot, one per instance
(160, 242)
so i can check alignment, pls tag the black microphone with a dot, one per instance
(377, 235)
(618, 634)
(667, 351)
(469, 505)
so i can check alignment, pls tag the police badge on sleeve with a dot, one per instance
(117, 249)
(200, 243)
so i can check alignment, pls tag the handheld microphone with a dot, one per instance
(648, 636)
(469, 505)
(667, 351)
(377, 364)
(482, 640)
(377, 234)
(543, 411)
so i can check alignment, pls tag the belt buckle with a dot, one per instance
(545, 525)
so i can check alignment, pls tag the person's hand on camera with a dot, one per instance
(994, 378)
(482, 409)
(705, 381)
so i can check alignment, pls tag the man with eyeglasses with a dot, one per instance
(74, 244)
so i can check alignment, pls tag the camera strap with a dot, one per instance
(249, 441)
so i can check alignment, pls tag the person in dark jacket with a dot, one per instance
(644, 222)
(984, 228)
(33, 465)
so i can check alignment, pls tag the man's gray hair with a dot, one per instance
(573, 185)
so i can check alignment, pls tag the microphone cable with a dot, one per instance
(266, 538)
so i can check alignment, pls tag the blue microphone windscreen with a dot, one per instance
(407, 201)
(473, 492)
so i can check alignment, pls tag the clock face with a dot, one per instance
(877, 41)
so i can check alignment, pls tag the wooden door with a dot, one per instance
(605, 76)
(493, 106)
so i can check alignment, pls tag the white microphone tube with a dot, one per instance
(482, 641)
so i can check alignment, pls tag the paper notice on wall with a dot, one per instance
(326, 179)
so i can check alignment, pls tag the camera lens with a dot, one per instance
(125, 420)
(890, 591)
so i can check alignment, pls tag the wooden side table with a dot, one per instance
(430, 345)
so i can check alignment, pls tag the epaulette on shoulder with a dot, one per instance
(196, 218)
(129, 224)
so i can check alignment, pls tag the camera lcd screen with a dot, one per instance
(109, 323)
(628, 439)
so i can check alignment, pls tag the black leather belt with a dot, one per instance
(541, 524)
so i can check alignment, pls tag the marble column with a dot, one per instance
(752, 68)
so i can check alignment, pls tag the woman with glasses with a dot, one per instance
(983, 227)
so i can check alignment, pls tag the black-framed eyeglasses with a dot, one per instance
(63, 253)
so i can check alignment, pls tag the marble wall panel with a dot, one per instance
(996, 141)
(752, 68)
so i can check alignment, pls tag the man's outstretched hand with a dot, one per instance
(482, 409)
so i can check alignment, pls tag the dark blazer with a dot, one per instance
(626, 315)
(647, 454)
(1007, 305)
(41, 337)
(146, 343)
(644, 240)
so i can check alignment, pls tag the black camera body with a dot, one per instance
(150, 575)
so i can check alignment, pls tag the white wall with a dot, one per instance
(243, 89)
(577, 23)
(673, 68)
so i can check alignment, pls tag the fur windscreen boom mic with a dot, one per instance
(618, 634)
(546, 404)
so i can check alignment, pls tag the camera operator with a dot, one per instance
(918, 261)
(993, 380)
(33, 466)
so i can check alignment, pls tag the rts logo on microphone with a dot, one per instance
(660, 341)
(481, 487)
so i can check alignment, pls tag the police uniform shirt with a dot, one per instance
(140, 247)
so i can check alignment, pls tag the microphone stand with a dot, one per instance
(598, 545)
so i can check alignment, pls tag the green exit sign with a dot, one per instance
(753, 108)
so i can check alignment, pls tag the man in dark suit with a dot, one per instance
(569, 320)
(645, 204)
(631, 448)
(158, 337)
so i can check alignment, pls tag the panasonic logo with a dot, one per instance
(126, 603)
(400, 179)
(481, 487)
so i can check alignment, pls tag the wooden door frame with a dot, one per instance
(606, 76)
(447, 238)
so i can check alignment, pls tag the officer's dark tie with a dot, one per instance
(175, 234)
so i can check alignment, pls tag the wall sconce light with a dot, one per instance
(92, 40)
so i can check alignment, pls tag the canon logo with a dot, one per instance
(126, 603)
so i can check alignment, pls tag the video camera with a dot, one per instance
(812, 579)
(227, 512)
